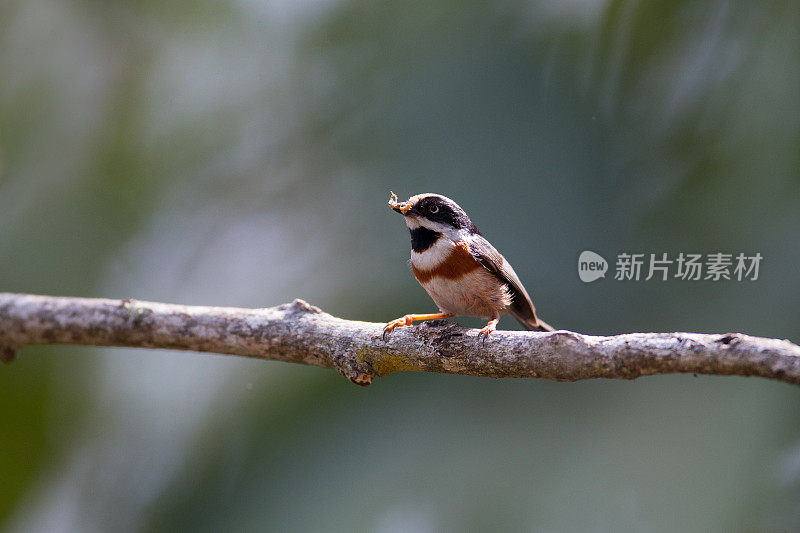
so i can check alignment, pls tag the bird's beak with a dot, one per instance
(400, 207)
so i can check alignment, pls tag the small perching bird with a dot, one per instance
(460, 270)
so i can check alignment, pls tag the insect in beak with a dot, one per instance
(400, 207)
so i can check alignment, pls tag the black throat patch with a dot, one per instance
(423, 238)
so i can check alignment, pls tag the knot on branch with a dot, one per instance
(729, 338)
(135, 312)
(358, 372)
(439, 335)
(299, 306)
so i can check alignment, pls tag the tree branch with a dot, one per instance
(301, 333)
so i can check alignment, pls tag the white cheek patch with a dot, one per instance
(448, 231)
(412, 222)
(433, 256)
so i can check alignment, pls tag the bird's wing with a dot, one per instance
(521, 306)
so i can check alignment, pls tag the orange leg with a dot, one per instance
(489, 328)
(408, 319)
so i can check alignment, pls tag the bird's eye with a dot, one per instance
(434, 209)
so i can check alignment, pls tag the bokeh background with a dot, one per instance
(240, 153)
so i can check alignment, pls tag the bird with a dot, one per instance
(461, 271)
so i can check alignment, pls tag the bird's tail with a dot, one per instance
(536, 324)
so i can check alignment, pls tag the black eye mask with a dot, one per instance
(446, 214)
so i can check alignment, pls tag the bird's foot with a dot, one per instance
(409, 319)
(488, 329)
(398, 322)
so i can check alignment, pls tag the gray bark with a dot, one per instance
(301, 333)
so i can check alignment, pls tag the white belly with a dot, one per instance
(478, 293)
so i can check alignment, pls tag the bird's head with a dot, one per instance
(434, 212)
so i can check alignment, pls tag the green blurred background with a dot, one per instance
(240, 152)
